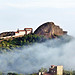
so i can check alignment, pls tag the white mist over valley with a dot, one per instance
(31, 58)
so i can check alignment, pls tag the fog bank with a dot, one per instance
(31, 58)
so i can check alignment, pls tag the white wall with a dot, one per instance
(28, 32)
(20, 33)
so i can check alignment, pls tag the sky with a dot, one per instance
(21, 14)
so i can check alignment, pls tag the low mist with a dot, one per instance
(31, 58)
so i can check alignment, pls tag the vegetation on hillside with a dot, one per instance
(20, 41)
(65, 72)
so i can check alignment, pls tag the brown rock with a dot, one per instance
(50, 30)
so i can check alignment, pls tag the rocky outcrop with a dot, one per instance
(4, 34)
(50, 30)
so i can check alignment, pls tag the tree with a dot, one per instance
(43, 70)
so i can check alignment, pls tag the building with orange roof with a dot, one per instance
(23, 32)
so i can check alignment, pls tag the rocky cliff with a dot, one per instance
(50, 30)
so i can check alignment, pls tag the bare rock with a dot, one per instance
(50, 30)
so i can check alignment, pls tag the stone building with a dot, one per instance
(23, 32)
(28, 30)
(54, 70)
(18, 33)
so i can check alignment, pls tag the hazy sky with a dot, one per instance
(32, 13)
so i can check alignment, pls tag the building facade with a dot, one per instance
(54, 70)
(19, 33)
(24, 32)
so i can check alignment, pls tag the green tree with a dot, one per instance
(43, 70)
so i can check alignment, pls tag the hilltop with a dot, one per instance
(50, 30)
(46, 31)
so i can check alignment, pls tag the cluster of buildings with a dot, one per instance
(23, 32)
(54, 70)
(19, 33)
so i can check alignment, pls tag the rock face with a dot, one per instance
(50, 30)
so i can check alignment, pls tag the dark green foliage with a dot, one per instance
(65, 72)
(20, 41)
(43, 70)
(12, 74)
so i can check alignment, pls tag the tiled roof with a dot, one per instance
(16, 32)
(27, 28)
(21, 30)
